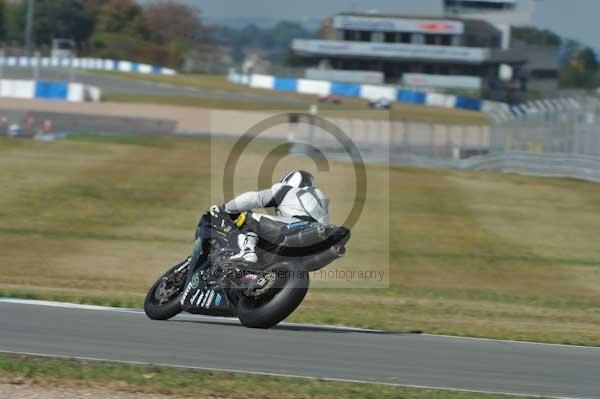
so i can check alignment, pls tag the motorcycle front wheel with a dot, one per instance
(162, 301)
(286, 288)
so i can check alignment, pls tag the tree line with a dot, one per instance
(157, 33)
(164, 32)
(579, 67)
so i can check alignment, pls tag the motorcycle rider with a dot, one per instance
(295, 197)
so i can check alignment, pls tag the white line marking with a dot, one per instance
(195, 296)
(205, 299)
(210, 298)
(199, 299)
(509, 341)
(264, 373)
(67, 305)
(234, 320)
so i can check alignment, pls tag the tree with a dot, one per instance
(93, 7)
(61, 19)
(535, 36)
(168, 22)
(275, 40)
(582, 70)
(2, 19)
(568, 51)
(14, 21)
(53, 19)
(119, 30)
(588, 60)
(120, 17)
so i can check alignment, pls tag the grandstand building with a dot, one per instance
(503, 14)
(467, 48)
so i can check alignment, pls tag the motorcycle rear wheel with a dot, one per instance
(279, 302)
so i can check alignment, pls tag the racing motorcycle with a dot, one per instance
(260, 294)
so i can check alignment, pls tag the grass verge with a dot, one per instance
(97, 219)
(174, 382)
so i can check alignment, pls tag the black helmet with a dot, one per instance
(298, 178)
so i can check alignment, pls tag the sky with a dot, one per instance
(577, 19)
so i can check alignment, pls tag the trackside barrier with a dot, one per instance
(62, 91)
(546, 108)
(561, 165)
(86, 63)
(369, 92)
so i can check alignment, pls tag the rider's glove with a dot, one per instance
(215, 210)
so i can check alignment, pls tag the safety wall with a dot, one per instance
(86, 63)
(61, 91)
(370, 92)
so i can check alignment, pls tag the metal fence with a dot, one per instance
(558, 138)
(569, 126)
(384, 140)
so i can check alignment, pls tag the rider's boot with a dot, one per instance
(247, 243)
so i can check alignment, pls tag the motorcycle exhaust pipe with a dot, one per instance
(320, 260)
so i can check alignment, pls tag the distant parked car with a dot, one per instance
(330, 99)
(382, 103)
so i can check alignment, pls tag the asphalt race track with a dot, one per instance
(301, 350)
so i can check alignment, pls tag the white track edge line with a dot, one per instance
(268, 374)
(68, 305)
(233, 320)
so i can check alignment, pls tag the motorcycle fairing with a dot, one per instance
(312, 244)
(200, 298)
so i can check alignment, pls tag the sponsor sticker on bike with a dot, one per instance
(195, 281)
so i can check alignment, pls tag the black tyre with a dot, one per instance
(162, 301)
(272, 306)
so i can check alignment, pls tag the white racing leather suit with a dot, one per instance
(293, 204)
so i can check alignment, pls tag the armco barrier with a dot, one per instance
(369, 92)
(86, 63)
(62, 91)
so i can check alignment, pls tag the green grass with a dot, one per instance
(149, 141)
(408, 112)
(174, 382)
(97, 219)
